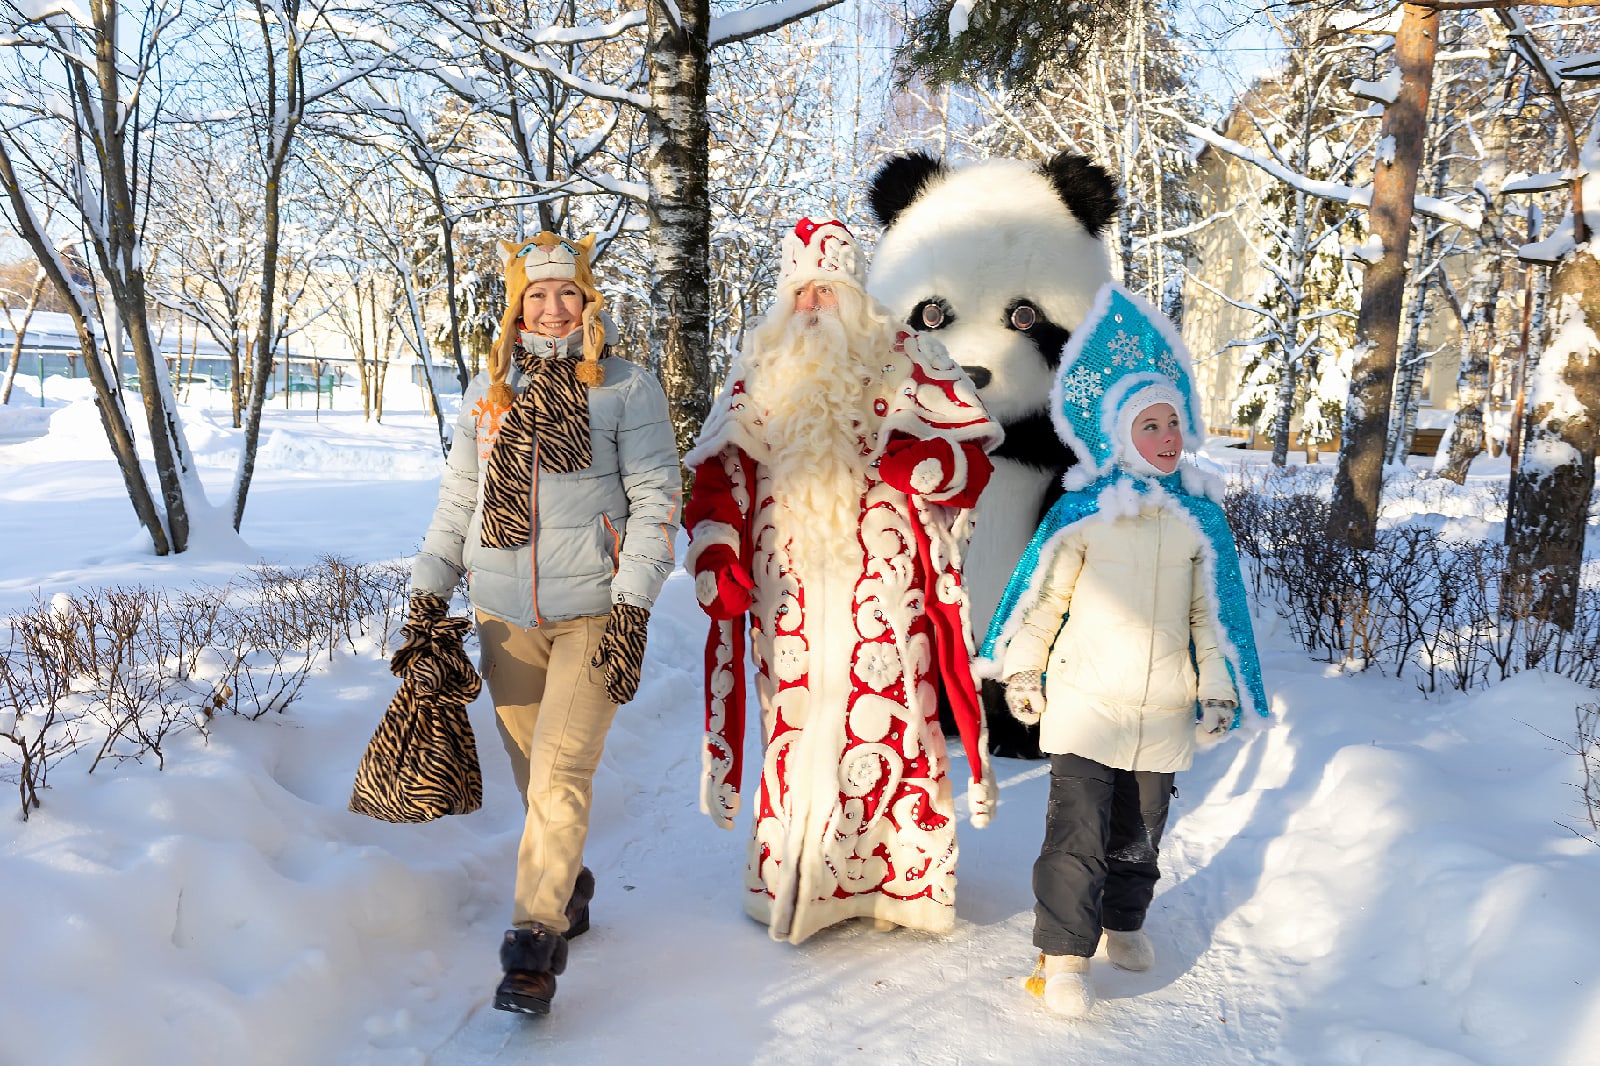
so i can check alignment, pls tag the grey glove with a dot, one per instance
(1216, 718)
(1025, 696)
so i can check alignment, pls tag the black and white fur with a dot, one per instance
(977, 243)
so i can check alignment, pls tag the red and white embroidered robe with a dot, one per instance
(854, 815)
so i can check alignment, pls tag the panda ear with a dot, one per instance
(1085, 188)
(899, 181)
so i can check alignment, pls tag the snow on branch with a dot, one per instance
(757, 19)
(1385, 22)
(584, 34)
(1386, 90)
(529, 61)
(961, 16)
(39, 10)
(1578, 67)
(1358, 195)
(1536, 182)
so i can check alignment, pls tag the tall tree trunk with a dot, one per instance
(107, 396)
(122, 262)
(1555, 476)
(1483, 295)
(680, 209)
(1358, 484)
(284, 94)
(266, 337)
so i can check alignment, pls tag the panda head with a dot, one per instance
(1000, 260)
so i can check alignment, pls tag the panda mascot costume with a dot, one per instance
(1001, 261)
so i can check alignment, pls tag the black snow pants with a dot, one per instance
(1097, 869)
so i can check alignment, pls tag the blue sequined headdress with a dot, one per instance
(1125, 356)
(1123, 346)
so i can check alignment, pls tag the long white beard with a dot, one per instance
(812, 383)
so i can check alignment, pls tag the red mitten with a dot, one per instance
(921, 466)
(721, 583)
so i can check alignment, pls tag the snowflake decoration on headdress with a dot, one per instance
(1123, 345)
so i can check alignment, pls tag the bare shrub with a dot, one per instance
(134, 666)
(34, 690)
(1415, 601)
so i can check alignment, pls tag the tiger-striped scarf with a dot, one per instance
(550, 419)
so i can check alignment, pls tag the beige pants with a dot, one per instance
(553, 713)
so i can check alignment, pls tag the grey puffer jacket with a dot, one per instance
(602, 535)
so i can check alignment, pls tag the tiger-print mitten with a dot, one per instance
(621, 652)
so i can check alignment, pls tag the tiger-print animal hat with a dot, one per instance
(547, 256)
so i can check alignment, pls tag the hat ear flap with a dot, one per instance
(586, 245)
(508, 252)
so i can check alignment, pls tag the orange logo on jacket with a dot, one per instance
(488, 418)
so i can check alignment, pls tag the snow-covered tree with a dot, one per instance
(1487, 118)
(1553, 482)
(83, 91)
(1124, 106)
(279, 62)
(206, 223)
(1304, 121)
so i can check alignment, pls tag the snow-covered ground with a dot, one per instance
(1380, 879)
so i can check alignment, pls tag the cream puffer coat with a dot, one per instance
(1120, 685)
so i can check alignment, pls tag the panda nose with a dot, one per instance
(980, 375)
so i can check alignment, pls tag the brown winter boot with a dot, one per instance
(578, 905)
(531, 958)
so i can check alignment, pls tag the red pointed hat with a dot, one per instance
(821, 251)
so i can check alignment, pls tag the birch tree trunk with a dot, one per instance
(1555, 475)
(1483, 295)
(680, 209)
(1358, 483)
(1408, 376)
(1288, 380)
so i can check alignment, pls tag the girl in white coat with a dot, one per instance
(1125, 635)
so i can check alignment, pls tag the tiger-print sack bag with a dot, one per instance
(422, 762)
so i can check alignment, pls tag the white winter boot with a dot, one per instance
(1130, 951)
(1067, 990)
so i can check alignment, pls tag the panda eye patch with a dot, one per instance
(931, 314)
(1024, 316)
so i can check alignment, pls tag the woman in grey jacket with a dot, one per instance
(559, 501)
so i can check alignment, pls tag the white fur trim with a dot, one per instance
(703, 536)
(1085, 471)
(717, 798)
(981, 802)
